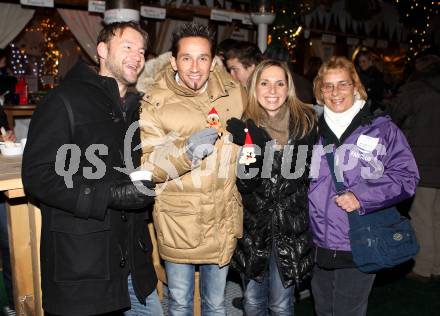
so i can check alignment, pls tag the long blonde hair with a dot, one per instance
(302, 116)
(338, 62)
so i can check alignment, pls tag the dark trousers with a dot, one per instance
(341, 292)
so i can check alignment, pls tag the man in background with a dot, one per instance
(416, 110)
(241, 60)
(372, 79)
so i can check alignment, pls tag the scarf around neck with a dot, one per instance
(278, 126)
(338, 122)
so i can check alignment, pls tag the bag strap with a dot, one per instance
(69, 110)
(340, 187)
(353, 217)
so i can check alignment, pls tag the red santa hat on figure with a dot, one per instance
(213, 121)
(248, 151)
(213, 114)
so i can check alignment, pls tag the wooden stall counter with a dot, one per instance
(13, 111)
(24, 222)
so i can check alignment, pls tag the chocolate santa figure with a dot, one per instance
(214, 121)
(247, 155)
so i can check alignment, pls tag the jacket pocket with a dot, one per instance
(178, 219)
(236, 207)
(81, 248)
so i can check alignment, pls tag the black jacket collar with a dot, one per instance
(88, 74)
(363, 117)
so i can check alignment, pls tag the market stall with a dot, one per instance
(24, 223)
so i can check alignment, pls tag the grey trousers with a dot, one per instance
(425, 217)
(341, 292)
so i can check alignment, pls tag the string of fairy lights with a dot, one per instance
(51, 32)
(19, 61)
(417, 15)
(287, 26)
(48, 63)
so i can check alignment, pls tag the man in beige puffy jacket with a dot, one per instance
(198, 211)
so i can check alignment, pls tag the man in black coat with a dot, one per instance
(95, 246)
(416, 110)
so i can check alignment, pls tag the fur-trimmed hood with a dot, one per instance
(151, 69)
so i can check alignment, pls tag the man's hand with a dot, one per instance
(127, 195)
(348, 202)
(201, 144)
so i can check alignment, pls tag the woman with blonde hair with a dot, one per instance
(275, 253)
(373, 164)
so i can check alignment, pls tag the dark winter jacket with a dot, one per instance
(276, 217)
(416, 110)
(87, 249)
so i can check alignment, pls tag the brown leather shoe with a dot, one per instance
(417, 277)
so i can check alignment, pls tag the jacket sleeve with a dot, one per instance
(163, 154)
(48, 131)
(398, 180)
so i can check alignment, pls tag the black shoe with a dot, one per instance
(237, 302)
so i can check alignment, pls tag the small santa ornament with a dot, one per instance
(248, 151)
(213, 121)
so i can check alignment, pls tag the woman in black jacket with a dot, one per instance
(274, 254)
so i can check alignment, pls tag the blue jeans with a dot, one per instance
(180, 279)
(151, 308)
(270, 294)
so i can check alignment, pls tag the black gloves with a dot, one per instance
(125, 195)
(236, 128)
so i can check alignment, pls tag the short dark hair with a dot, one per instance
(225, 45)
(247, 53)
(192, 30)
(110, 30)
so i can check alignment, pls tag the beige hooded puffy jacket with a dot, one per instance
(198, 210)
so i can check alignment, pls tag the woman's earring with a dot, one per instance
(357, 95)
